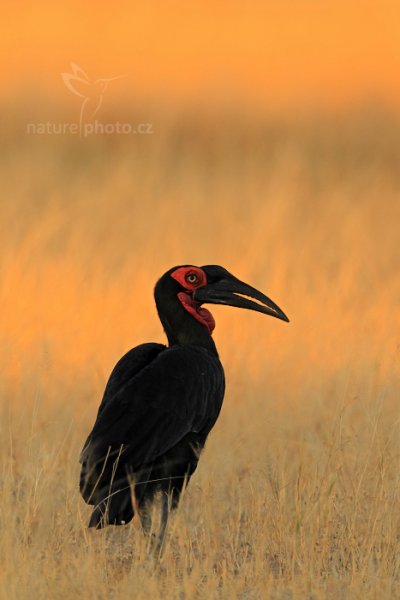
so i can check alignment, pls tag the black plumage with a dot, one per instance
(161, 402)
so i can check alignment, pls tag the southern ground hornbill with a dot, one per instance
(161, 402)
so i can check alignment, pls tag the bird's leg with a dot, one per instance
(165, 510)
(156, 541)
(145, 517)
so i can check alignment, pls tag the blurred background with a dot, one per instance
(267, 140)
(263, 136)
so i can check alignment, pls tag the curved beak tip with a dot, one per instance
(233, 292)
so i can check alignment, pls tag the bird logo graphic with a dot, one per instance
(91, 92)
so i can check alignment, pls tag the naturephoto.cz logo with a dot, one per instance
(91, 94)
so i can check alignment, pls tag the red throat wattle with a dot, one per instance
(202, 315)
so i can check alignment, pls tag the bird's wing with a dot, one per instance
(128, 367)
(179, 392)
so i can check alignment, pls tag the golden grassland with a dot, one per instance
(297, 493)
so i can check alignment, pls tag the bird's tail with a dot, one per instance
(115, 506)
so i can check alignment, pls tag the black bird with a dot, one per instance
(161, 402)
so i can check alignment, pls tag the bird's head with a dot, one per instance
(188, 287)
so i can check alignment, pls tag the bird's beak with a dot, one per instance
(233, 292)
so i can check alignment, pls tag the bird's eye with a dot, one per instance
(192, 278)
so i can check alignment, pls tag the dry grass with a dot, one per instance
(296, 495)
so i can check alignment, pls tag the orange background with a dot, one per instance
(307, 210)
(276, 54)
(297, 491)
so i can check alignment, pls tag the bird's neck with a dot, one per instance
(184, 330)
(184, 338)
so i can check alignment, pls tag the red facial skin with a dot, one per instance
(202, 315)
